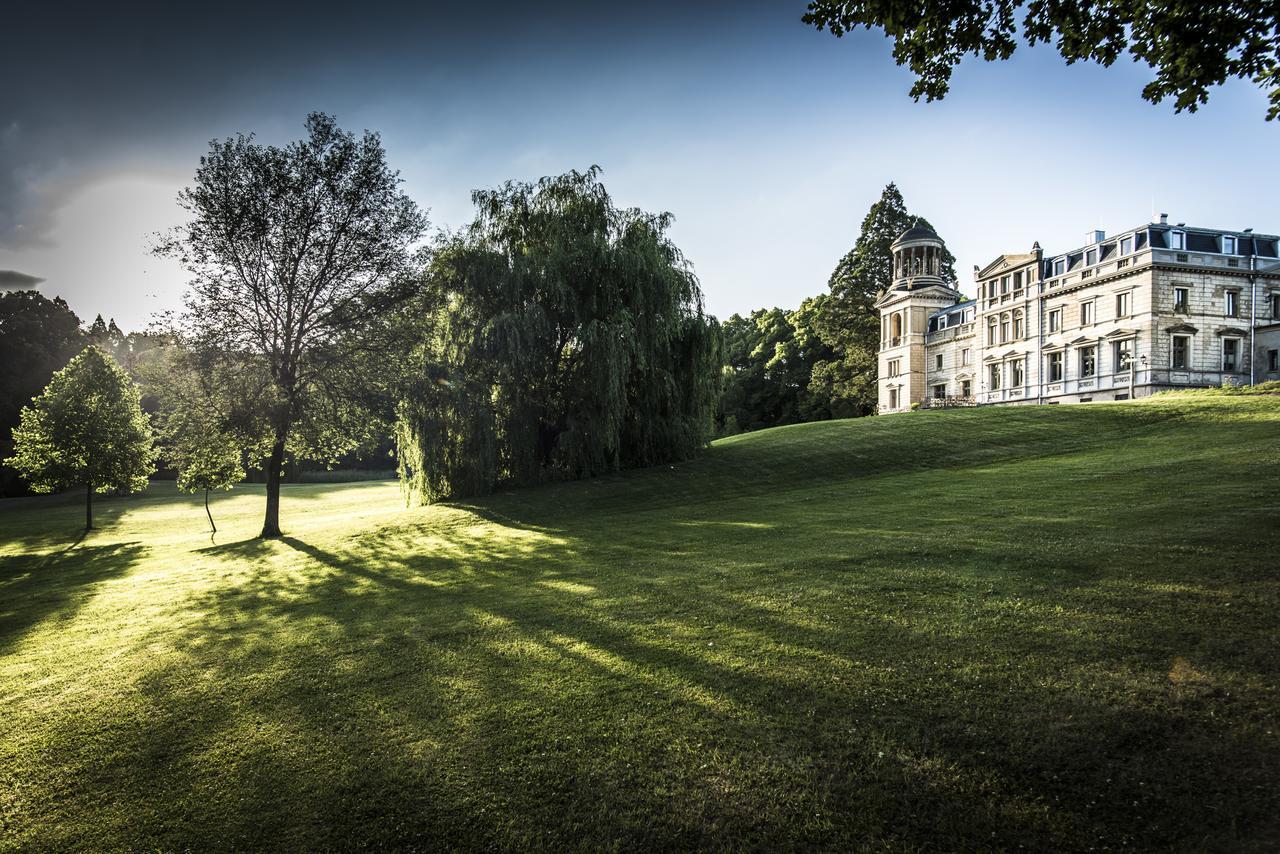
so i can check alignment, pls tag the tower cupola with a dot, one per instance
(917, 258)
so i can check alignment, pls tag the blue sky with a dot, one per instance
(766, 139)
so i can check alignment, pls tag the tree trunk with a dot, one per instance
(206, 510)
(88, 507)
(271, 526)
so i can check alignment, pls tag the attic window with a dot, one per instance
(1177, 240)
(1228, 245)
(1126, 245)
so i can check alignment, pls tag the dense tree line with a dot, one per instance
(819, 361)
(557, 336)
(38, 336)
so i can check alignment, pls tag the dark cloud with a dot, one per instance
(95, 87)
(12, 280)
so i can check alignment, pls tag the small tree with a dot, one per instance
(206, 459)
(205, 432)
(85, 429)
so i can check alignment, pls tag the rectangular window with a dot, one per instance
(1015, 368)
(1055, 320)
(1017, 281)
(940, 390)
(1177, 240)
(1122, 355)
(1273, 360)
(893, 398)
(1088, 361)
(1086, 313)
(1004, 284)
(1230, 354)
(964, 356)
(1126, 245)
(966, 387)
(1230, 303)
(1181, 300)
(1091, 257)
(1055, 367)
(1228, 245)
(1181, 352)
(1122, 304)
(937, 362)
(1275, 306)
(995, 377)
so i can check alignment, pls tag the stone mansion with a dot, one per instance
(1153, 308)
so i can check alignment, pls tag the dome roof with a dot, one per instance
(917, 232)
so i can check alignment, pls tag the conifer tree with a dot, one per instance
(848, 322)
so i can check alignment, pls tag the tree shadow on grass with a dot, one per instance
(642, 681)
(54, 586)
(514, 690)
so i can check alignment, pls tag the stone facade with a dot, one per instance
(1157, 307)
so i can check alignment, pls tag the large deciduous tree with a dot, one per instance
(1191, 45)
(569, 341)
(85, 429)
(847, 320)
(38, 336)
(296, 255)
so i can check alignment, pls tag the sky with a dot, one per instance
(765, 138)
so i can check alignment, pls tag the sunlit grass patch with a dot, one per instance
(1051, 628)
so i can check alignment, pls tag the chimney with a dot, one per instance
(1164, 219)
(1095, 236)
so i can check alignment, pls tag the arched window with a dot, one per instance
(1018, 331)
(1004, 327)
(895, 327)
(991, 330)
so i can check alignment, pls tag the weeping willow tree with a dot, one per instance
(568, 340)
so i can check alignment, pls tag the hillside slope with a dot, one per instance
(1049, 627)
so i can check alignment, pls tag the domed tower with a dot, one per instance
(918, 291)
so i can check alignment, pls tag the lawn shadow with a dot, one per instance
(681, 677)
(527, 673)
(35, 588)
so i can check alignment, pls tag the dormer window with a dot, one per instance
(1126, 245)
(1091, 257)
(1228, 245)
(1177, 240)
(1059, 266)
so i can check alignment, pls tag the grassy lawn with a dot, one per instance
(1049, 627)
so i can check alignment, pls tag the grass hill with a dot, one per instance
(1053, 627)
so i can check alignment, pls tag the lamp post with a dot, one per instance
(1133, 373)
